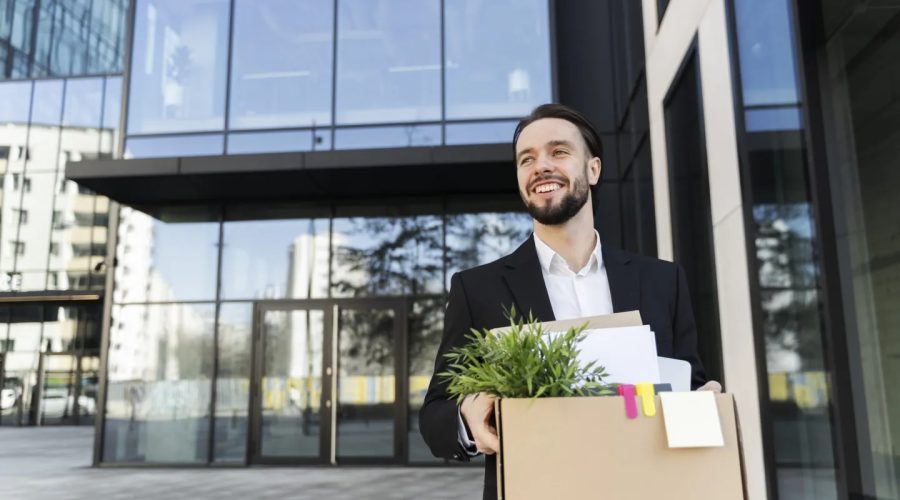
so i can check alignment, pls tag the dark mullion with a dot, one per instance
(210, 457)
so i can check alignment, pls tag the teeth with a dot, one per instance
(546, 188)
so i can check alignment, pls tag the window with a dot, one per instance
(280, 79)
(389, 61)
(18, 247)
(54, 248)
(692, 228)
(497, 57)
(178, 66)
(21, 215)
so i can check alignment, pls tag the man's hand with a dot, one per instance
(477, 410)
(711, 386)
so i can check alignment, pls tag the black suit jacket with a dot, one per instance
(477, 299)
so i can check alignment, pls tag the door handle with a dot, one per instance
(328, 371)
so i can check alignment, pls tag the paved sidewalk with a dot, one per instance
(54, 463)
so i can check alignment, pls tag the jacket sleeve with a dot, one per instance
(439, 416)
(684, 330)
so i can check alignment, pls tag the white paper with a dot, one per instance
(692, 419)
(628, 354)
(675, 372)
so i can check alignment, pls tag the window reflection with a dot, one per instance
(388, 137)
(480, 133)
(389, 55)
(160, 366)
(185, 145)
(424, 332)
(498, 57)
(386, 256)
(861, 121)
(281, 63)
(475, 239)
(233, 383)
(16, 99)
(160, 261)
(366, 383)
(275, 259)
(55, 231)
(279, 142)
(765, 46)
(178, 66)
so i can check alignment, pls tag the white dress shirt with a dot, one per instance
(573, 294)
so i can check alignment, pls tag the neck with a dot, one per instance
(573, 240)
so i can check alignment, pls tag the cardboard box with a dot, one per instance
(586, 447)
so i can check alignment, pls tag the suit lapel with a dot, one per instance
(526, 282)
(624, 281)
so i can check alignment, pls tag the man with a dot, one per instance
(561, 272)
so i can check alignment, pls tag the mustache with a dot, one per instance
(550, 177)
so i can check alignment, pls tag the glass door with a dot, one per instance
(290, 393)
(326, 379)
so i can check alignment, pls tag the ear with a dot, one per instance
(595, 167)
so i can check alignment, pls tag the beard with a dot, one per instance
(554, 215)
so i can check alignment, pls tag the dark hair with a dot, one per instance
(553, 110)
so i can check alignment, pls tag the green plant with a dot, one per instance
(523, 362)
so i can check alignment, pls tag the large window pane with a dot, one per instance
(84, 101)
(388, 137)
(16, 99)
(862, 142)
(480, 133)
(178, 66)
(366, 383)
(692, 227)
(275, 259)
(479, 238)
(165, 261)
(160, 369)
(766, 51)
(233, 382)
(279, 142)
(389, 56)
(282, 63)
(498, 57)
(185, 145)
(386, 256)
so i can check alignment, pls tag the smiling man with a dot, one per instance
(563, 271)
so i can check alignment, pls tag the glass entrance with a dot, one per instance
(325, 382)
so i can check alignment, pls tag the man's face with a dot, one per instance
(554, 170)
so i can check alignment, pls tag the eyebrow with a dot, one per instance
(553, 143)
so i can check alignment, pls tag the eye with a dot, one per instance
(560, 152)
(525, 161)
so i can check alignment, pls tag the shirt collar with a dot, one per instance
(551, 260)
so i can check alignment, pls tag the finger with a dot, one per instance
(711, 386)
(491, 444)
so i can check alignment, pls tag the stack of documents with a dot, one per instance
(626, 348)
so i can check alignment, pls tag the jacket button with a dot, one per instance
(456, 456)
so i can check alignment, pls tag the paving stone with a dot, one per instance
(50, 463)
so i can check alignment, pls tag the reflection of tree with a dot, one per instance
(407, 256)
(475, 239)
(389, 256)
(385, 256)
(788, 281)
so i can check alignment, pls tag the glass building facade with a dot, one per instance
(227, 227)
